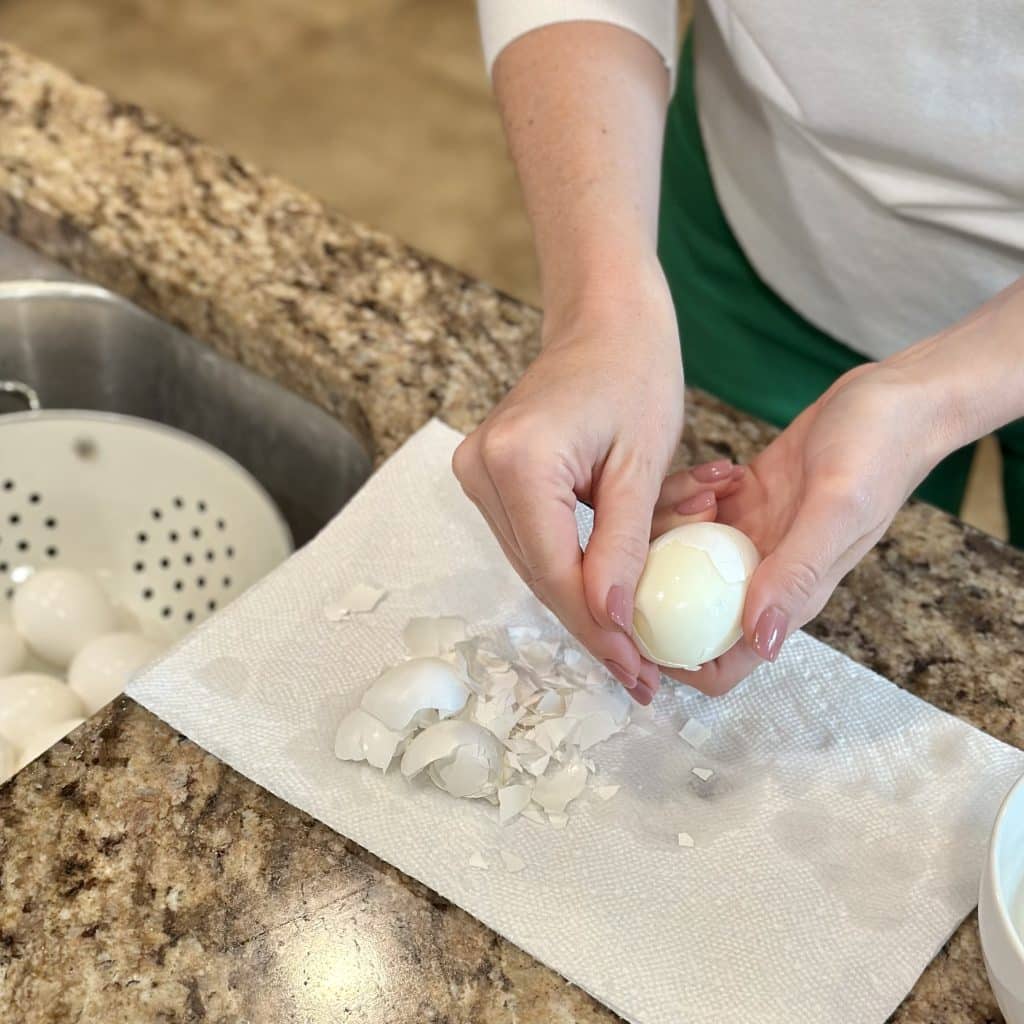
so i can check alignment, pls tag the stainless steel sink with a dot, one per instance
(82, 347)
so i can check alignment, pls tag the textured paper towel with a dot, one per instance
(837, 845)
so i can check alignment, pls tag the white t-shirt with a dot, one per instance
(869, 157)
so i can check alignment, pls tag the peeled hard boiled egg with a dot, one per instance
(40, 741)
(13, 651)
(688, 608)
(58, 611)
(30, 701)
(103, 667)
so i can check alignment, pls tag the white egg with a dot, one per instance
(689, 601)
(420, 684)
(462, 758)
(39, 741)
(13, 651)
(30, 701)
(103, 667)
(58, 611)
(8, 760)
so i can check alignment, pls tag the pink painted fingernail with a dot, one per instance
(618, 608)
(770, 632)
(698, 503)
(712, 471)
(628, 681)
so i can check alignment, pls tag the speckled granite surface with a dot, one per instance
(141, 880)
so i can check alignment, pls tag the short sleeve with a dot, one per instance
(502, 21)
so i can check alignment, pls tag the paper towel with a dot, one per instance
(836, 846)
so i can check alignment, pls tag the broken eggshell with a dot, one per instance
(427, 637)
(689, 602)
(463, 758)
(362, 737)
(420, 684)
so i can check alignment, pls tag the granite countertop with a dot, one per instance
(141, 879)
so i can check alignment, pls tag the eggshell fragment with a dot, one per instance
(695, 733)
(356, 600)
(13, 652)
(430, 637)
(703, 773)
(31, 701)
(605, 792)
(477, 861)
(512, 801)
(689, 601)
(103, 667)
(685, 839)
(398, 695)
(40, 740)
(362, 737)
(556, 791)
(465, 759)
(58, 611)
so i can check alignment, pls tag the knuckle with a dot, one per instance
(801, 579)
(629, 546)
(464, 460)
(503, 448)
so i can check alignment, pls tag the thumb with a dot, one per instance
(793, 582)
(623, 509)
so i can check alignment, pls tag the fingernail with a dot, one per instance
(738, 472)
(698, 503)
(642, 695)
(712, 471)
(628, 681)
(618, 608)
(770, 632)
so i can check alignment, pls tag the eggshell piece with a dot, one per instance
(430, 637)
(105, 665)
(512, 801)
(419, 684)
(556, 791)
(689, 601)
(58, 611)
(362, 737)
(471, 757)
(13, 652)
(40, 741)
(31, 701)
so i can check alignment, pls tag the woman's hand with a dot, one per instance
(818, 498)
(597, 417)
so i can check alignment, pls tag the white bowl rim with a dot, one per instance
(1003, 912)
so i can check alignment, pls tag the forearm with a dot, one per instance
(583, 105)
(971, 374)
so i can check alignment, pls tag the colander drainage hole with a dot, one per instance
(8, 485)
(52, 552)
(14, 519)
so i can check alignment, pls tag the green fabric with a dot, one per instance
(741, 341)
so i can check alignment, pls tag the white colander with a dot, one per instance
(173, 528)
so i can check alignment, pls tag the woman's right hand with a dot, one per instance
(595, 418)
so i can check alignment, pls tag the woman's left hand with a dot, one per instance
(816, 500)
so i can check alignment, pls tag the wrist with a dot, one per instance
(625, 292)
